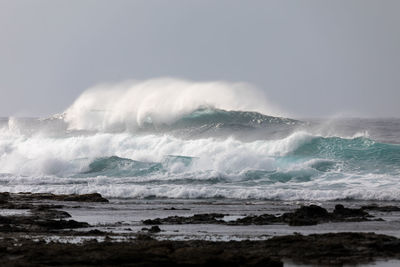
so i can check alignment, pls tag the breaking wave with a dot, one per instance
(129, 106)
(177, 139)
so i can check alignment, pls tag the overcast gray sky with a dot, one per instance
(313, 58)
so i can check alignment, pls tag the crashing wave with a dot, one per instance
(129, 106)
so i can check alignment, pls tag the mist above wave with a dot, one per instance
(132, 105)
(174, 138)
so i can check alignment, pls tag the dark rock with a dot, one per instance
(51, 214)
(144, 237)
(201, 218)
(62, 224)
(4, 197)
(5, 220)
(47, 207)
(381, 208)
(18, 248)
(341, 211)
(317, 249)
(312, 211)
(311, 215)
(96, 232)
(211, 218)
(152, 221)
(173, 208)
(305, 215)
(154, 229)
(257, 220)
(301, 221)
(16, 206)
(95, 197)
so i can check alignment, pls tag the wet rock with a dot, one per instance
(341, 212)
(37, 224)
(207, 218)
(153, 221)
(257, 220)
(96, 232)
(318, 250)
(16, 206)
(27, 196)
(5, 220)
(42, 218)
(144, 237)
(61, 224)
(95, 197)
(306, 215)
(173, 208)
(4, 197)
(312, 211)
(322, 250)
(47, 207)
(50, 213)
(381, 208)
(334, 248)
(153, 229)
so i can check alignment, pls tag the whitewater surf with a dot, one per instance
(168, 138)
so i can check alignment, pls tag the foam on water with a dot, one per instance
(300, 166)
(158, 101)
(177, 139)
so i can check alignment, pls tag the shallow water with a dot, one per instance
(126, 216)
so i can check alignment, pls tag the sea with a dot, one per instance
(140, 141)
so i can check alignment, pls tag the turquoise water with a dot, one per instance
(207, 153)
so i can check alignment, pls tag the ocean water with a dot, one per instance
(110, 142)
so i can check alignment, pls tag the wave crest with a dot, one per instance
(130, 105)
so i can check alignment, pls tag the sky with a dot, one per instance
(313, 58)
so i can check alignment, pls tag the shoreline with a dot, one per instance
(47, 229)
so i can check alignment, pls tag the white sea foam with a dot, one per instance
(128, 105)
(52, 164)
(96, 146)
(40, 155)
(119, 188)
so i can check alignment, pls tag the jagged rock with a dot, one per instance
(94, 197)
(62, 224)
(341, 211)
(381, 208)
(257, 220)
(305, 215)
(195, 219)
(153, 229)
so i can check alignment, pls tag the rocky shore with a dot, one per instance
(32, 227)
(306, 215)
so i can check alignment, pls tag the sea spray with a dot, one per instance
(178, 139)
(158, 101)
